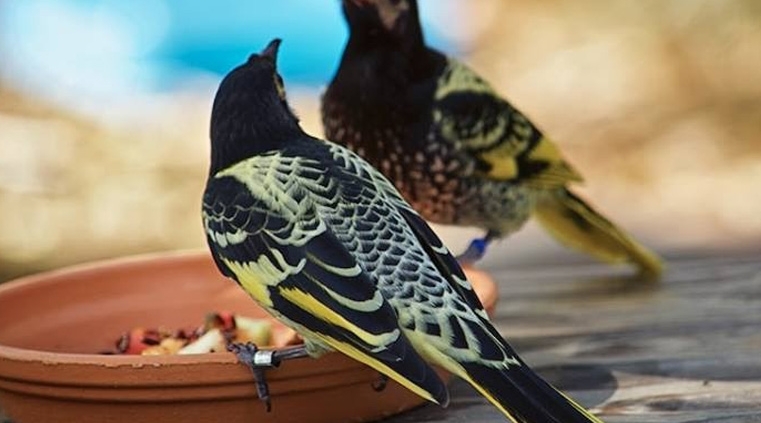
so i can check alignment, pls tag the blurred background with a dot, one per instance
(104, 110)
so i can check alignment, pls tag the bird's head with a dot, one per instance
(383, 20)
(250, 112)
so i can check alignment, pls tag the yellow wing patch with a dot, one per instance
(317, 309)
(321, 311)
(560, 170)
(362, 357)
(257, 276)
(504, 165)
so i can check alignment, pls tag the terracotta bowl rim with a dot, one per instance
(49, 357)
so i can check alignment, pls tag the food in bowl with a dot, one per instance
(219, 330)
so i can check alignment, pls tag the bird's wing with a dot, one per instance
(433, 247)
(265, 233)
(442, 258)
(450, 326)
(469, 115)
(476, 351)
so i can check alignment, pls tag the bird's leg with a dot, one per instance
(380, 384)
(256, 360)
(477, 249)
(259, 360)
(474, 252)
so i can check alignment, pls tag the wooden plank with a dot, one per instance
(687, 349)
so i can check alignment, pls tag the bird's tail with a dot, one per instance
(575, 223)
(523, 396)
(507, 382)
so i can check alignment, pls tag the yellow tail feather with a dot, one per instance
(576, 224)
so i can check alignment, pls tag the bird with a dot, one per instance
(458, 152)
(326, 244)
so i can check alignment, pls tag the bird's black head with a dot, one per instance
(250, 113)
(384, 22)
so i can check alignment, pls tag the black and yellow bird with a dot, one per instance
(326, 244)
(457, 151)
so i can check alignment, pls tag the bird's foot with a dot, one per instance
(380, 384)
(474, 252)
(258, 360)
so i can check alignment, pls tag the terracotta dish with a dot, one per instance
(52, 325)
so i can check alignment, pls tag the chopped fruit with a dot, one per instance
(255, 331)
(167, 346)
(218, 330)
(211, 341)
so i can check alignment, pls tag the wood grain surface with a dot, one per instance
(685, 349)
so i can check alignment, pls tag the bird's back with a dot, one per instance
(312, 186)
(411, 128)
(411, 267)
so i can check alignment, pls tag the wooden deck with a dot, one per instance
(687, 349)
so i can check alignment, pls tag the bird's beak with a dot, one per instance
(270, 52)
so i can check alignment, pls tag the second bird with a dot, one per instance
(458, 152)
